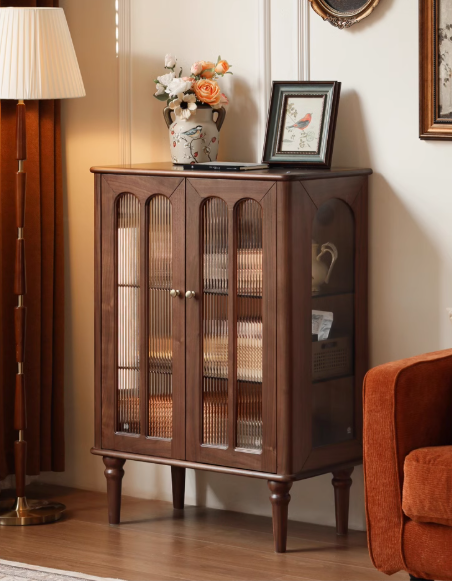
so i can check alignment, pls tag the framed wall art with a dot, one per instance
(435, 57)
(302, 123)
(344, 13)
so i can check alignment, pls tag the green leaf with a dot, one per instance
(180, 73)
(219, 59)
(163, 97)
(156, 81)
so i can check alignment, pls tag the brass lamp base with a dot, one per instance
(29, 512)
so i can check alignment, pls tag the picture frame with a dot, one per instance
(344, 13)
(301, 123)
(435, 69)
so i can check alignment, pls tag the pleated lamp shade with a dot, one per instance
(37, 57)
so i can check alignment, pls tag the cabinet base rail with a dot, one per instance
(279, 486)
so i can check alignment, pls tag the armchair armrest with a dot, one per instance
(407, 405)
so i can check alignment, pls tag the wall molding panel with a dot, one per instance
(265, 66)
(270, 50)
(125, 83)
(303, 14)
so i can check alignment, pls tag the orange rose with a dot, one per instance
(207, 74)
(222, 67)
(207, 91)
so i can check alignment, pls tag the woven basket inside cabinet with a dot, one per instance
(331, 358)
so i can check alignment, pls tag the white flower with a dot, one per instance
(184, 106)
(170, 61)
(196, 68)
(160, 89)
(165, 80)
(185, 114)
(177, 86)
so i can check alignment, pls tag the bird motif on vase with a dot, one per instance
(194, 133)
(302, 124)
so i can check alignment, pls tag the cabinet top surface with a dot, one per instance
(271, 174)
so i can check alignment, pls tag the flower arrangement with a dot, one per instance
(184, 94)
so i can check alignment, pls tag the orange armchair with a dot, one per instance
(408, 466)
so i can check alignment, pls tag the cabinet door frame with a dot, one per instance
(143, 188)
(295, 408)
(232, 192)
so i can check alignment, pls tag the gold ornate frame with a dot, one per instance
(432, 126)
(343, 19)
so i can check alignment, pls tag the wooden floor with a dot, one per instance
(156, 542)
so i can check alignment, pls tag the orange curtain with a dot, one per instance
(44, 248)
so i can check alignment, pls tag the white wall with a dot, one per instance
(411, 238)
(411, 205)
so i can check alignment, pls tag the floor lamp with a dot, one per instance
(37, 61)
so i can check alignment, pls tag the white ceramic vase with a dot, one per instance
(195, 140)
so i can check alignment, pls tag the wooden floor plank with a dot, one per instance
(156, 542)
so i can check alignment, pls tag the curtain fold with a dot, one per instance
(44, 248)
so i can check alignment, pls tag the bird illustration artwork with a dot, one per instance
(303, 123)
(193, 133)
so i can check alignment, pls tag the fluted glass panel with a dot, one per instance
(128, 277)
(249, 325)
(215, 322)
(160, 318)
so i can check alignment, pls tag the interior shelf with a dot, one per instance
(332, 294)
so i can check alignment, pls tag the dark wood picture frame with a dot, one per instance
(431, 125)
(281, 92)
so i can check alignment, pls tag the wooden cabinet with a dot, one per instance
(231, 325)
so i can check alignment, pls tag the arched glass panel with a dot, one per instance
(333, 335)
(160, 318)
(249, 325)
(128, 282)
(215, 322)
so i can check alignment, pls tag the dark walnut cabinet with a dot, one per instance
(226, 339)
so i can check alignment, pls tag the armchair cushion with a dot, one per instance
(427, 487)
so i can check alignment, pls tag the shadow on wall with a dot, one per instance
(405, 283)
(378, 14)
(242, 119)
(404, 264)
(312, 500)
(150, 142)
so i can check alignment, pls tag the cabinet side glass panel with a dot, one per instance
(128, 324)
(160, 422)
(249, 325)
(333, 341)
(215, 323)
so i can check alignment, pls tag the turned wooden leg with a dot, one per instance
(113, 474)
(280, 499)
(178, 481)
(342, 483)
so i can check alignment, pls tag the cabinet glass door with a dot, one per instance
(128, 297)
(333, 324)
(232, 234)
(160, 422)
(250, 275)
(215, 323)
(143, 271)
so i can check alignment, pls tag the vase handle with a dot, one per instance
(329, 247)
(221, 117)
(167, 116)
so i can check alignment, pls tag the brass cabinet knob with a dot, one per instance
(174, 293)
(190, 295)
